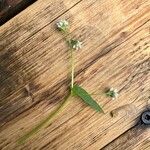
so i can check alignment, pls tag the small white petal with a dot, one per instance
(65, 23)
(62, 24)
(116, 94)
(115, 90)
(111, 89)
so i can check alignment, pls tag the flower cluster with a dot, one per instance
(112, 93)
(75, 44)
(63, 26)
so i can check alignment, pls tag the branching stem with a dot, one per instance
(53, 114)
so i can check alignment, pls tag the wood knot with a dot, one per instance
(123, 34)
(125, 110)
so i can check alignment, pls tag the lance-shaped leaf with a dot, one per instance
(86, 97)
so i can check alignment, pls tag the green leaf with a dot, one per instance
(86, 97)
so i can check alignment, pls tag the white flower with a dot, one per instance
(62, 25)
(75, 44)
(112, 93)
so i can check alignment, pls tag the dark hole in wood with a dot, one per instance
(147, 117)
(9, 9)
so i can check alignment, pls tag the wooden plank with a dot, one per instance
(115, 53)
(137, 138)
(9, 8)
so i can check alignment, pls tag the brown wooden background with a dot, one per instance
(115, 53)
(9, 8)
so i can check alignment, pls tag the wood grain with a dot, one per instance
(115, 53)
(10, 8)
(137, 138)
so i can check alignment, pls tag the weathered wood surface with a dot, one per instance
(9, 8)
(137, 138)
(115, 53)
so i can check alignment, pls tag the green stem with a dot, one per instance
(72, 68)
(53, 114)
(49, 118)
(72, 60)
